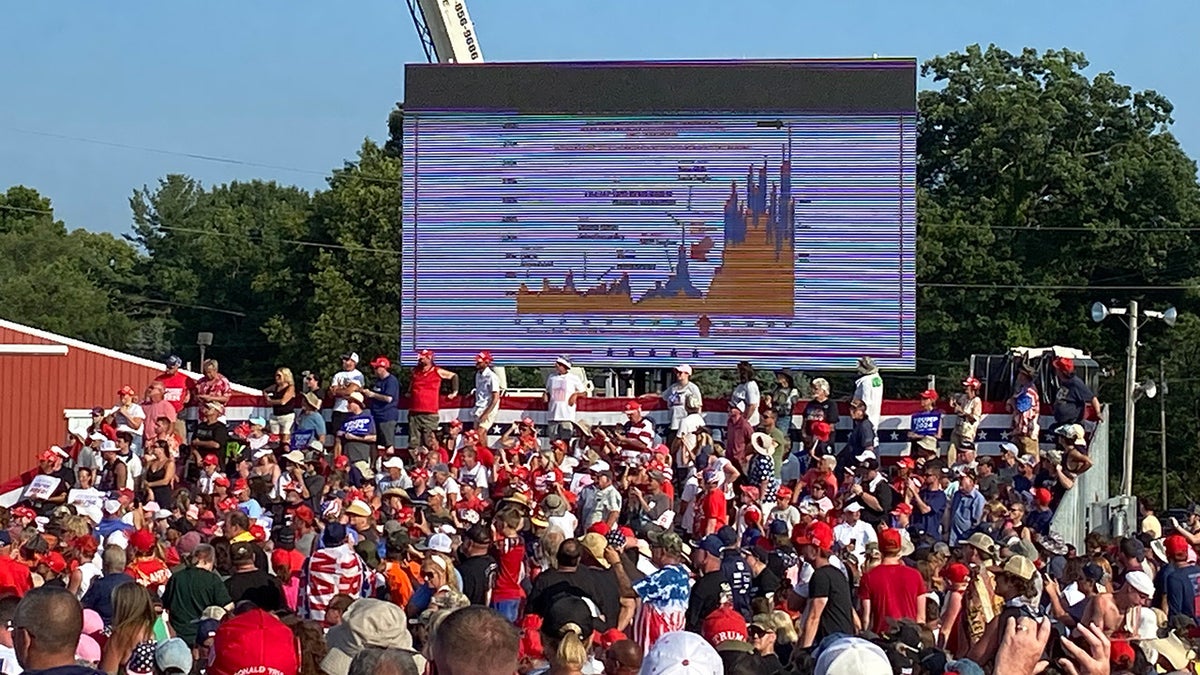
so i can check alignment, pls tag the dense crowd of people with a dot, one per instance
(313, 541)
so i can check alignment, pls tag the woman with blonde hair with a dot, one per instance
(439, 577)
(130, 648)
(282, 397)
(566, 632)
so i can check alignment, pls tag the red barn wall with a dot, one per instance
(35, 389)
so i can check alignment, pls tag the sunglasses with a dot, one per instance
(757, 632)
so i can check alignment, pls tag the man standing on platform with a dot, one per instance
(382, 401)
(487, 395)
(177, 389)
(563, 389)
(424, 404)
(345, 382)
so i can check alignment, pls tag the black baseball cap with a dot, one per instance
(479, 534)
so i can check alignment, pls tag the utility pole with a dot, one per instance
(1130, 388)
(1133, 390)
(1162, 425)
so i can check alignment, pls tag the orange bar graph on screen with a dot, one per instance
(756, 275)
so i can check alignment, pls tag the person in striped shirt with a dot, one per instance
(664, 594)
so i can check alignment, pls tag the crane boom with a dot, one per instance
(446, 32)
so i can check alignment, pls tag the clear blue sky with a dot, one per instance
(300, 83)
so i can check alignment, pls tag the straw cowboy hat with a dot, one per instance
(762, 443)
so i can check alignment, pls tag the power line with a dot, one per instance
(1063, 228)
(1056, 287)
(26, 209)
(194, 155)
(367, 249)
(297, 242)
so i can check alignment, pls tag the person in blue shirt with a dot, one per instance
(929, 503)
(49, 621)
(966, 509)
(111, 522)
(1039, 517)
(1178, 581)
(357, 436)
(310, 425)
(381, 400)
(1073, 396)
(926, 422)
(99, 594)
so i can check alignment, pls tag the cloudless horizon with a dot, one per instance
(290, 89)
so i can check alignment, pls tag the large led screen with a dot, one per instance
(646, 214)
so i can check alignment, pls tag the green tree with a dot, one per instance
(1038, 187)
(226, 261)
(1031, 174)
(356, 275)
(79, 284)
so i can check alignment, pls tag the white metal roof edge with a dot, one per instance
(110, 353)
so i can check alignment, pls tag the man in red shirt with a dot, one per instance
(423, 398)
(507, 594)
(713, 512)
(891, 590)
(147, 569)
(177, 390)
(737, 436)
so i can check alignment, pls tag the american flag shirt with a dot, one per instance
(664, 596)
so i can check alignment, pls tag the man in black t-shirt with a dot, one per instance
(477, 566)
(1073, 395)
(830, 608)
(873, 491)
(711, 590)
(251, 583)
(573, 578)
(765, 583)
(211, 434)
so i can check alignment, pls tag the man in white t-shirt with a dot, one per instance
(868, 388)
(472, 472)
(853, 534)
(678, 395)
(563, 390)
(345, 382)
(487, 394)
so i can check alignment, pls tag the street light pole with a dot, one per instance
(1162, 425)
(1130, 384)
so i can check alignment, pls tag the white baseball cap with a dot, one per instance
(89, 511)
(683, 653)
(683, 368)
(393, 463)
(852, 507)
(852, 656)
(441, 543)
(117, 538)
(865, 455)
